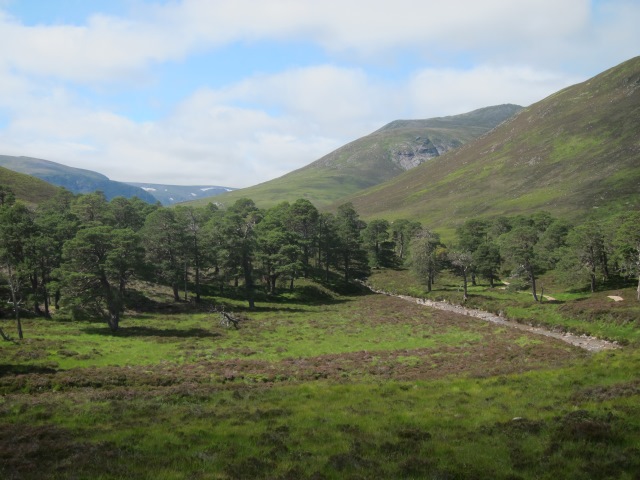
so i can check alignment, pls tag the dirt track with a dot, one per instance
(586, 342)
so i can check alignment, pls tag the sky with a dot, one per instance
(238, 92)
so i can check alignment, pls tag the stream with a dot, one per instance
(586, 342)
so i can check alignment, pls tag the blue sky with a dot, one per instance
(235, 93)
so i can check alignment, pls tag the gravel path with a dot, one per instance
(586, 342)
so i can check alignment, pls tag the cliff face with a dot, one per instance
(408, 155)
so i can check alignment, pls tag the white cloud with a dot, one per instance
(200, 142)
(109, 48)
(448, 91)
(328, 98)
(263, 126)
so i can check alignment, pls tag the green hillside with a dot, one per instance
(574, 153)
(29, 189)
(373, 159)
(76, 180)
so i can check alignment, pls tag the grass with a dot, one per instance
(313, 385)
(26, 188)
(577, 312)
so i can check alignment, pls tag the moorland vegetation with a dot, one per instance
(121, 365)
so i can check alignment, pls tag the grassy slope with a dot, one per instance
(573, 153)
(369, 160)
(314, 386)
(29, 189)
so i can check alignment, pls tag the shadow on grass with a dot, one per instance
(152, 332)
(24, 369)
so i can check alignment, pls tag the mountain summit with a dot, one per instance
(371, 160)
(575, 153)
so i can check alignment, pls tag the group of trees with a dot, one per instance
(81, 252)
(523, 247)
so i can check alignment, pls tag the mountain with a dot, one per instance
(30, 190)
(575, 153)
(75, 180)
(375, 158)
(171, 194)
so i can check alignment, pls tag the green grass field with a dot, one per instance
(316, 385)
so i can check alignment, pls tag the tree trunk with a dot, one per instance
(248, 282)
(326, 271)
(176, 292)
(47, 313)
(197, 279)
(346, 269)
(465, 295)
(305, 260)
(34, 288)
(19, 325)
(473, 279)
(186, 282)
(114, 321)
(605, 265)
(113, 300)
(56, 299)
(291, 284)
(4, 336)
(592, 276)
(532, 277)
(13, 287)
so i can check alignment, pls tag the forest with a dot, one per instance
(76, 254)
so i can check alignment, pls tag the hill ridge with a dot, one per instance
(76, 180)
(374, 158)
(575, 152)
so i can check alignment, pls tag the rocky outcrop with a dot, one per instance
(410, 155)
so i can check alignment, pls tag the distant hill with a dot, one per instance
(172, 194)
(375, 158)
(29, 189)
(575, 153)
(76, 180)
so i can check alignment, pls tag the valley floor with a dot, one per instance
(314, 385)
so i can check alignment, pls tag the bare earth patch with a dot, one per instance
(615, 298)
